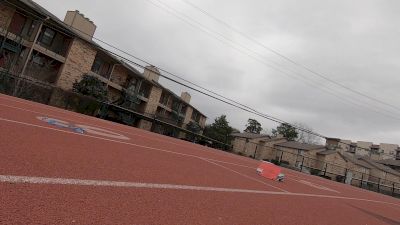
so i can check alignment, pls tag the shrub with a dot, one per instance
(91, 86)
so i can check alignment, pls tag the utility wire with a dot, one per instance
(289, 59)
(308, 81)
(243, 107)
(197, 90)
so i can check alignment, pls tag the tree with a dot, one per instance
(91, 86)
(219, 130)
(306, 137)
(193, 127)
(253, 126)
(288, 131)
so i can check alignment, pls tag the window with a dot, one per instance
(97, 65)
(17, 24)
(47, 36)
(31, 28)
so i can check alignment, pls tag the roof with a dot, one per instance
(380, 166)
(357, 161)
(301, 146)
(250, 135)
(389, 162)
(327, 152)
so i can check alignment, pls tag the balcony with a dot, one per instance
(52, 43)
(106, 81)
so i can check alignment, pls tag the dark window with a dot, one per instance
(31, 28)
(97, 65)
(17, 24)
(47, 36)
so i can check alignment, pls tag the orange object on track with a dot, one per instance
(270, 171)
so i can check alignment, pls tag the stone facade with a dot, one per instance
(188, 115)
(154, 98)
(119, 75)
(336, 164)
(79, 61)
(151, 107)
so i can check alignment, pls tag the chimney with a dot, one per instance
(332, 143)
(82, 25)
(151, 73)
(185, 97)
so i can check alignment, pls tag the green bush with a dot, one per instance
(91, 86)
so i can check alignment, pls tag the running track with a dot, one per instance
(115, 174)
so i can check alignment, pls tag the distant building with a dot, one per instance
(254, 145)
(369, 149)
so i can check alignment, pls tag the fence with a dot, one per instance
(331, 171)
(30, 89)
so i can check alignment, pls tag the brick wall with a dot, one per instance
(6, 14)
(154, 98)
(119, 75)
(78, 62)
(188, 115)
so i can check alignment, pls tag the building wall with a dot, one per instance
(336, 165)
(362, 147)
(119, 75)
(6, 14)
(154, 98)
(344, 146)
(268, 152)
(249, 147)
(188, 115)
(79, 61)
(389, 151)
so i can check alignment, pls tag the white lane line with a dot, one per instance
(317, 186)
(204, 149)
(122, 184)
(116, 141)
(244, 175)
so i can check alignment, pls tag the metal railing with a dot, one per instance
(332, 171)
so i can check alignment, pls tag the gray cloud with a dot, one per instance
(353, 42)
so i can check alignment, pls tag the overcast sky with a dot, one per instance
(355, 43)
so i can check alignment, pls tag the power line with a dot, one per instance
(243, 107)
(308, 81)
(289, 59)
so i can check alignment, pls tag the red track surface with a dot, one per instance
(34, 150)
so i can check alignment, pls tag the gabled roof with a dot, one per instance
(380, 166)
(357, 161)
(327, 152)
(250, 135)
(389, 162)
(301, 146)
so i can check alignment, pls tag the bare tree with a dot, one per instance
(306, 137)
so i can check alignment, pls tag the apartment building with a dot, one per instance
(259, 146)
(374, 151)
(36, 45)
